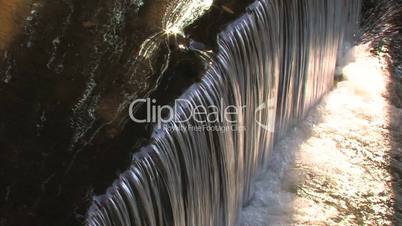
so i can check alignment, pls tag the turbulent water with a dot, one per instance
(274, 62)
(340, 165)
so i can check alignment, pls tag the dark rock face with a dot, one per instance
(68, 70)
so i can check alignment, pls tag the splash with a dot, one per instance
(281, 53)
(365, 72)
(333, 169)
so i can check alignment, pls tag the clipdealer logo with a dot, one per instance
(212, 117)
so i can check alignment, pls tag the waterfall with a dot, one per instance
(274, 63)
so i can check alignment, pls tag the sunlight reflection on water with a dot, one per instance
(333, 169)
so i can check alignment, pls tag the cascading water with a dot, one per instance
(274, 63)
